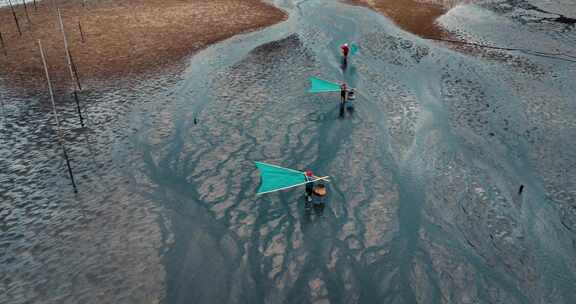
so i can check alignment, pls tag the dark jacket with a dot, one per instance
(309, 186)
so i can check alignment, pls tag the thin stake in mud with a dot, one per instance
(72, 69)
(81, 32)
(15, 18)
(73, 74)
(35, 6)
(75, 93)
(59, 129)
(3, 45)
(26, 11)
(75, 69)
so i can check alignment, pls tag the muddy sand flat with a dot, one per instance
(121, 37)
(418, 17)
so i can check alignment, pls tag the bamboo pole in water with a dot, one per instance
(55, 113)
(72, 69)
(75, 94)
(15, 17)
(4, 131)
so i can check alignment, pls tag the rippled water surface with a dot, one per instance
(423, 206)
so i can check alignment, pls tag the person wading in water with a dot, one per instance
(309, 176)
(343, 95)
(343, 92)
(345, 50)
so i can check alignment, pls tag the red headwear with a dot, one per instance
(345, 49)
(309, 173)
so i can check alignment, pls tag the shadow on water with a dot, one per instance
(343, 64)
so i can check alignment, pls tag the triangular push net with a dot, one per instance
(353, 48)
(274, 178)
(318, 85)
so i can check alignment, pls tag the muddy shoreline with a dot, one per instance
(113, 39)
(417, 17)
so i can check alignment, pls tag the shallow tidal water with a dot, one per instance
(423, 204)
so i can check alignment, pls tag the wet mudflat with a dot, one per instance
(423, 206)
(118, 38)
(101, 245)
